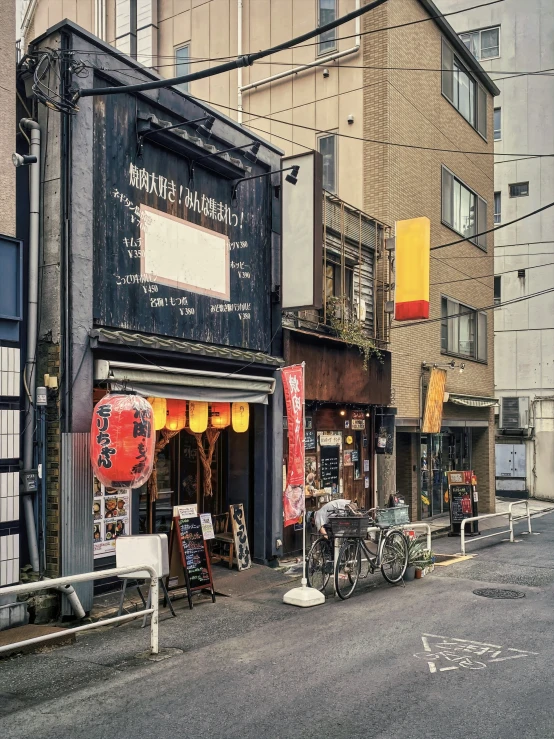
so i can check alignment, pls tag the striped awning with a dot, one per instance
(472, 401)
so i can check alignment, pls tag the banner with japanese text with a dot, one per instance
(293, 498)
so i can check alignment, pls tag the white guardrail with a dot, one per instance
(509, 530)
(71, 580)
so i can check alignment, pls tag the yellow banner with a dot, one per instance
(432, 418)
(412, 256)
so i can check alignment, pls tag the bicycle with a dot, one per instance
(320, 561)
(391, 556)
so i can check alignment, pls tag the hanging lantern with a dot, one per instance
(176, 418)
(122, 440)
(241, 415)
(159, 406)
(221, 415)
(198, 416)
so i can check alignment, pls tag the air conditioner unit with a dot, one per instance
(514, 413)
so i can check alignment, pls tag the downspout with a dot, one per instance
(239, 54)
(29, 375)
(295, 70)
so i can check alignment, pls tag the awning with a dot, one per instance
(473, 401)
(185, 384)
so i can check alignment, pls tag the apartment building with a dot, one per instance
(397, 143)
(508, 39)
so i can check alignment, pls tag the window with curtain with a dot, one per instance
(519, 189)
(462, 90)
(327, 146)
(182, 66)
(497, 207)
(463, 330)
(483, 43)
(463, 210)
(327, 12)
(497, 124)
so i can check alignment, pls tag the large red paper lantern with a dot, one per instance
(122, 441)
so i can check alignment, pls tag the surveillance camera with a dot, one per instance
(22, 160)
(325, 72)
(350, 119)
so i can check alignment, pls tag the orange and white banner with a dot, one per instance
(293, 497)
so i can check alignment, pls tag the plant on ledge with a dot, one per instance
(350, 330)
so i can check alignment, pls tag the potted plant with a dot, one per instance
(417, 557)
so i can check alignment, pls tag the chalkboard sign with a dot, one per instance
(329, 465)
(460, 503)
(194, 555)
(309, 439)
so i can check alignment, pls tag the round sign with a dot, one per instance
(349, 440)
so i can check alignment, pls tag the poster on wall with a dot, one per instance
(111, 511)
(293, 498)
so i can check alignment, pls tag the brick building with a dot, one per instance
(343, 95)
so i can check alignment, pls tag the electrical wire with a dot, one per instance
(477, 310)
(493, 274)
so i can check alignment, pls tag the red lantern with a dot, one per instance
(176, 415)
(221, 415)
(122, 441)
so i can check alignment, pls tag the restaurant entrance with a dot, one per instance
(439, 454)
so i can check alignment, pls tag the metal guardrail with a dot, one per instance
(84, 577)
(509, 530)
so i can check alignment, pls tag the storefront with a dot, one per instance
(341, 403)
(441, 453)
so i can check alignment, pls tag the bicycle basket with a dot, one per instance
(392, 516)
(352, 526)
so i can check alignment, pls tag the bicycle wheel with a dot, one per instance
(320, 564)
(394, 556)
(348, 567)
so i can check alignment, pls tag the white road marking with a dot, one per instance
(466, 653)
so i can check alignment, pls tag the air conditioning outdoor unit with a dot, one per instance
(514, 413)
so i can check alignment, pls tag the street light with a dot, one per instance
(292, 178)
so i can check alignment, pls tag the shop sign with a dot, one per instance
(293, 498)
(111, 516)
(329, 439)
(358, 424)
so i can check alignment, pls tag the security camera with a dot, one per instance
(23, 160)
(350, 119)
(325, 72)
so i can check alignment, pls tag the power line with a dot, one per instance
(493, 274)
(243, 61)
(497, 228)
(492, 256)
(257, 116)
(477, 310)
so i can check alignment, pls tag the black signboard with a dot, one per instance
(309, 439)
(329, 465)
(175, 255)
(461, 506)
(194, 555)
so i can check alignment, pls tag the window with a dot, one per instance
(465, 333)
(463, 210)
(497, 207)
(483, 44)
(182, 66)
(497, 124)
(327, 146)
(458, 86)
(497, 290)
(519, 189)
(327, 12)
(333, 273)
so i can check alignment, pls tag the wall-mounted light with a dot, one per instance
(292, 178)
(462, 367)
(203, 127)
(23, 160)
(343, 413)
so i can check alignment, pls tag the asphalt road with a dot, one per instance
(253, 667)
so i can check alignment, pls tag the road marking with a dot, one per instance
(454, 560)
(464, 653)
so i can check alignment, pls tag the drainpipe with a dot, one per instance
(317, 63)
(29, 375)
(239, 54)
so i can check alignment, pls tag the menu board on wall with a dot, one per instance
(111, 511)
(329, 457)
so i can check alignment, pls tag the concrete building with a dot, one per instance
(396, 143)
(511, 38)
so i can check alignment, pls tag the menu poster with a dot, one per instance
(460, 502)
(207, 526)
(111, 511)
(193, 551)
(329, 457)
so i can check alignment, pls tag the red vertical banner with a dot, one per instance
(293, 497)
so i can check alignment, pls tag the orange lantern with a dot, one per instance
(241, 416)
(159, 406)
(122, 440)
(198, 416)
(221, 415)
(176, 418)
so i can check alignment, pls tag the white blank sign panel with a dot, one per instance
(181, 254)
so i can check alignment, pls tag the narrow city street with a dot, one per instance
(431, 659)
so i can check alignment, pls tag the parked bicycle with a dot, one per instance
(390, 556)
